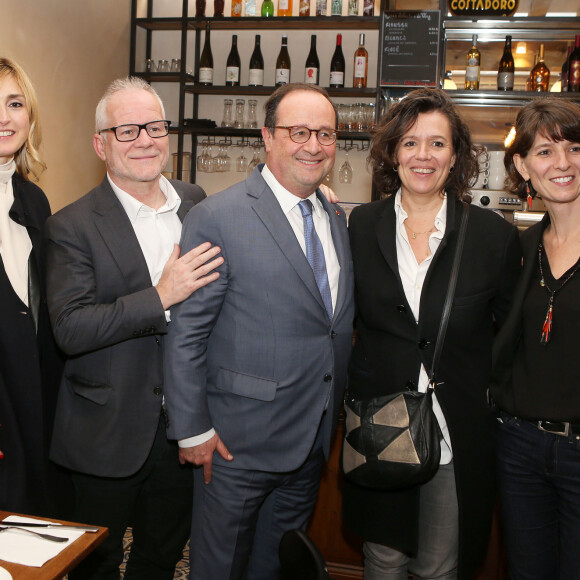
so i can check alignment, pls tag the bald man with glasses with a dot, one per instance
(114, 274)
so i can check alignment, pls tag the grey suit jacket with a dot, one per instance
(108, 318)
(254, 354)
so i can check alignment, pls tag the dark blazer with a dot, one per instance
(109, 319)
(254, 354)
(508, 339)
(390, 347)
(30, 371)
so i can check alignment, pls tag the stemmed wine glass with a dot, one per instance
(254, 161)
(345, 171)
(241, 162)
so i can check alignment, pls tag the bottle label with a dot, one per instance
(206, 75)
(236, 7)
(232, 74)
(310, 75)
(337, 78)
(256, 77)
(282, 76)
(574, 73)
(360, 63)
(472, 73)
(283, 5)
(505, 80)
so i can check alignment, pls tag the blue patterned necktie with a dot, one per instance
(315, 255)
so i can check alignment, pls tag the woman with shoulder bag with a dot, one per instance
(403, 247)
(536, 369)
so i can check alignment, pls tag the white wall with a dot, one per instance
(71, 49)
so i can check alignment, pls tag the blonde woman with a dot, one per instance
(29, 362)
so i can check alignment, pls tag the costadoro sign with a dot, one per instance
(482, 7)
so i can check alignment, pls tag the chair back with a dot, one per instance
(300, 559)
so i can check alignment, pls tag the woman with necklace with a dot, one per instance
(536, 370)
(423, 159)
(30, 364)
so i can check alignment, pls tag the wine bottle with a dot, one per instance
(283, 64)
(233, 64)
(574, 68)
(218, 8)
(505, 72)
(337, 65)
(353, 7)
(321, 7)
(236, 8)
(304, 8)
(473, 67)
(529, 80)
(564, 73)
(284, 7)
(336, 8)
(206, 61)
(361, 64)
(540, 73)
(312, 67)
(256, 78)
(267, 8)
(368, 7)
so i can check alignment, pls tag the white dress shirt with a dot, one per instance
(413, 277)
(15, 244)
(289, 204)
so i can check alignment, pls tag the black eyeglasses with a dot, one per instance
(155, 130)
(302, 134)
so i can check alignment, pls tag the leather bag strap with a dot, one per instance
(450, 294)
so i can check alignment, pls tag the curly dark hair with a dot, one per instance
(552, 117)
(399, 119)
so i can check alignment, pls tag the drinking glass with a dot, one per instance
(345, 171)
(227, 120)
(241, 162)
(239, 122)
(254, 161)
(252, 120)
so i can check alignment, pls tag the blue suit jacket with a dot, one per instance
(254, 354)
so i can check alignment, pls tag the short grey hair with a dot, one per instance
(101, 118)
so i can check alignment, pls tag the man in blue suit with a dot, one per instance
(256, 362)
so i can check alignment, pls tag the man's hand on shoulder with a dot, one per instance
(328, 193)
(183, 275)
(203, 455)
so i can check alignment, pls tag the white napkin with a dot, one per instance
(23, 548)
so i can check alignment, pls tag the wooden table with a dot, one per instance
(60, 565)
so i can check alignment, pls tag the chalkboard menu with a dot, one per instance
(410, 48)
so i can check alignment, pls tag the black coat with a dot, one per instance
(508, 339)
(390, 347)
(30, 370)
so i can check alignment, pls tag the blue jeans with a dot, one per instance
(539, 486)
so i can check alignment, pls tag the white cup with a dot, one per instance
(497, 175)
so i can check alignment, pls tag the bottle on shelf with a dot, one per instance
(321, 7)
(283, 64)
(256, 78)
(564, 74)
(540, 73)
(236, 8)
(199, 8)
(505, 72)
(574, 68)
(250, 8)
(337, 65)
(206, 61)
(218, 8)
(312, 67)
(353, 7)
(361, 64)
(233, 64)
(304, 8)
(267, 8)
(529, 80)
(336, 8)
(284, 7)
(473, 66)
(368, 8)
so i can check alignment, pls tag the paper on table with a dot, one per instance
(20, 547)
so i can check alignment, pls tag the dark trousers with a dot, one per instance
(156, 502)
(539, 484)
(240, 517)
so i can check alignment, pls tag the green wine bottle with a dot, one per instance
(267, 8)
